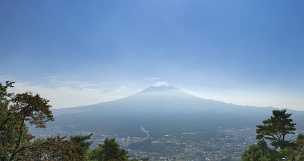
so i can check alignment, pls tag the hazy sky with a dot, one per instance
(248, 52)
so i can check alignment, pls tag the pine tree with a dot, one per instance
(17, 112)
(109, 151)
(276, 129)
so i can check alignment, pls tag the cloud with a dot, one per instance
(62, 93)
(74, 93)
(161, 84)
(251, 97)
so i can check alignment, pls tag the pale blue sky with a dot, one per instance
(241, 51)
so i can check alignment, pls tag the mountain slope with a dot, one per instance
(161, 110)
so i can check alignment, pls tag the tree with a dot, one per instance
(260, 152)
(276, 128)
(295, 152)
(109, 151)
(58, 149)
(275, 131)
(82, 142)
(18, 110)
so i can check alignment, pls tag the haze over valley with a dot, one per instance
(165, 122)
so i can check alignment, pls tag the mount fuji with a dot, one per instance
(161, 110)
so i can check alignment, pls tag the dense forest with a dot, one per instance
(277, 139)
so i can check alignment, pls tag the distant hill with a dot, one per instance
(161, 110)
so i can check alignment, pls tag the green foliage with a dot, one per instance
(82, 142)
(295, 152)
(109, 151)
(17, 144)
(260, 152)
(58, 149)
(16, 112)
(276, 128)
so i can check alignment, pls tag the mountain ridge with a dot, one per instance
(159, 90)
(161, 110)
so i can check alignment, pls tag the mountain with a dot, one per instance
(159, 109)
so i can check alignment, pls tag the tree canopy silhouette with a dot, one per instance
(276, 128)
(109, 151)
(274, 131)
(18, 111)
